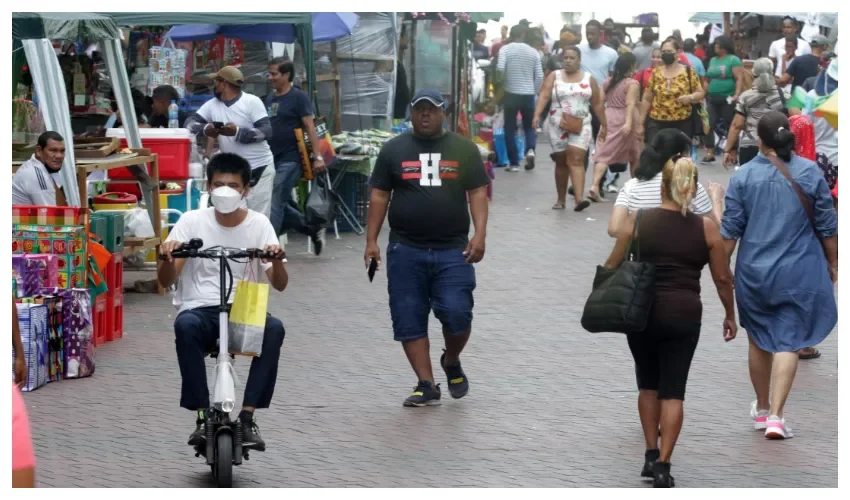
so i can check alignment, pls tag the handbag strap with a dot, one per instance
(635, 236)
(804, 200)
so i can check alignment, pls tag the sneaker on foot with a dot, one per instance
(529, 160)
(661, 476)
(458, 383)
(649, 459)
(759, 417)
(199, 437)
(251, 435)
(512, 169)
(776, 428)
(425, 394)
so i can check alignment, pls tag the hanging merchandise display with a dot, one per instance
(167, 67)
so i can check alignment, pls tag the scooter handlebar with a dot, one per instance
(192, 249)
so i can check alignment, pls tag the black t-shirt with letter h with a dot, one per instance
(429, 179)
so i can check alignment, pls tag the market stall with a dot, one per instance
(440, 58)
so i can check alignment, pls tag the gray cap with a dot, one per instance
(819, 41)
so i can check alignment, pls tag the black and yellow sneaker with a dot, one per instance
(251, 435)
(425, 394)
(458, 383)
(199, 437)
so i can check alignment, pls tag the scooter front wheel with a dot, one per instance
(223, 466)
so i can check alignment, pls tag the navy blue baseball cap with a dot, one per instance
(430, 95)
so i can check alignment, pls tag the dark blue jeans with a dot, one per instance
(196, 333)
(524, 105)
(285, 214)
(421, 279)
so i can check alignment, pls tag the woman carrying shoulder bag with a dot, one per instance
(573, 93)
(679, 244)
(670, 96)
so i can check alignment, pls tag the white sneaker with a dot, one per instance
(777, 428)
(512, 169)
(759, 417)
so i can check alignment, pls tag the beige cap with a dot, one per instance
(230, 75)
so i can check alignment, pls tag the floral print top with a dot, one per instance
(665, 92)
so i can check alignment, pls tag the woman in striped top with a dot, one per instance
(644, 190)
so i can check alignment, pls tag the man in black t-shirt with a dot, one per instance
(429, 173)
(803, 67)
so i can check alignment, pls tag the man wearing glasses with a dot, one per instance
(241, 124)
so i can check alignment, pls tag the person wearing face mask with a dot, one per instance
(245, 129)
(228, 224)
(35, 182)
(669, 96)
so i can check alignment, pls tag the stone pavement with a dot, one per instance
(550, 404)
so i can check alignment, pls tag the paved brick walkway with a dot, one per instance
(550, 405)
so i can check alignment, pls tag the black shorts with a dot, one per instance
(663, 354)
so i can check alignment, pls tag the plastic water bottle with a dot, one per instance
(173, 110)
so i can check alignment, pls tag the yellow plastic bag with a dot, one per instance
(248, 317)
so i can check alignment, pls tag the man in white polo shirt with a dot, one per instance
(241, 123)
(35, 181)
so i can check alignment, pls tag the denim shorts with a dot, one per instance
(420, 280)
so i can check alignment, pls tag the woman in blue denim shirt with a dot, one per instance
(786, 266)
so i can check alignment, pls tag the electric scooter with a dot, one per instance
(223, 447)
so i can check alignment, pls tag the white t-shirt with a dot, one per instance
(777, 51)
(198, 285)
(244, 113)
(637, 194)
(33, 184)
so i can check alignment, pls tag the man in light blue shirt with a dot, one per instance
(689, 47)
(598, 60)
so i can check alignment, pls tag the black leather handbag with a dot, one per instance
(621, 298)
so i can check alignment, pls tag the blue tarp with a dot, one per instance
(327, 26)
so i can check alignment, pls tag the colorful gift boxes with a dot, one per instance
(77, 330)
(32, 320)
(55, 334)
(34, 271)
(67, 243)
(47, 215)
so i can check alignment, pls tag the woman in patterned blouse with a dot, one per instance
(669, 97)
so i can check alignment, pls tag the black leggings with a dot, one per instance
(718, 109)
(663, 354)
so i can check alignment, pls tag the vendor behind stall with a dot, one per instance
(35, 181)
(162, 98)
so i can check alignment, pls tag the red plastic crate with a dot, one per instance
(115, 316)
(115, 274)
(100, 319)
(173, 158)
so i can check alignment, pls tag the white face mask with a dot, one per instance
(226, 199)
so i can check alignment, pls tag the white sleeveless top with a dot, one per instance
(572, 98)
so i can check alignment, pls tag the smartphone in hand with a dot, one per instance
(218, 125)
(373, 266)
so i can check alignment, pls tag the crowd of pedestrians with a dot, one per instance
(601, 106)
(645, 108)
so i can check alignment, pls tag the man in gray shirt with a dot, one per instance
(643, 49)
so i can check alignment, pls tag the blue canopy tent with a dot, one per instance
(327, 26)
